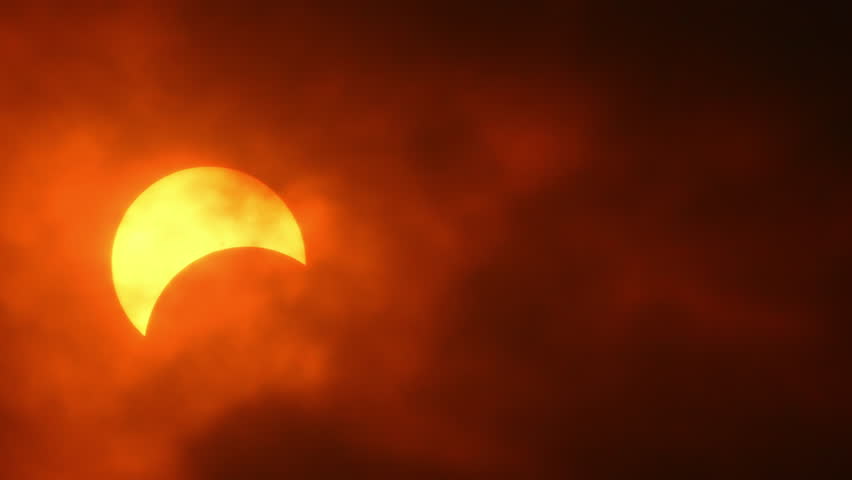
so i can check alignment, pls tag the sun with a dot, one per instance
(186, 216)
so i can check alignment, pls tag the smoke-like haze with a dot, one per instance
(542, 243)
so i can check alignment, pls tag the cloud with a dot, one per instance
(540, 244)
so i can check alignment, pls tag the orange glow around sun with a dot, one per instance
(186, 216)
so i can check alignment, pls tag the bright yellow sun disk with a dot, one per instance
(186, 216)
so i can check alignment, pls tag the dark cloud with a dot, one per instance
(542, 242)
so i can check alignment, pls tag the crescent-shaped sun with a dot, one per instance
(186, 216)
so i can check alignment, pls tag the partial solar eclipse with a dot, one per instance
(186, 216)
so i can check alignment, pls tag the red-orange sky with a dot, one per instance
(542, 242)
